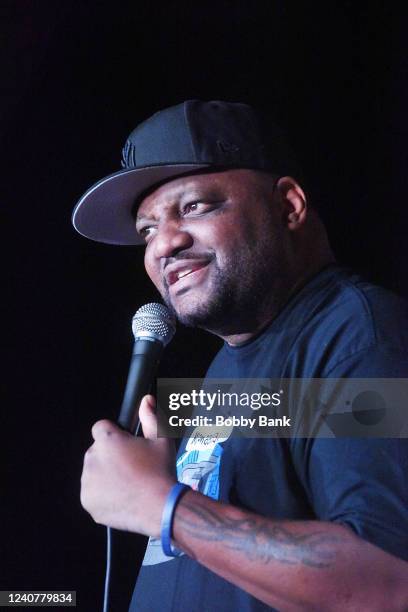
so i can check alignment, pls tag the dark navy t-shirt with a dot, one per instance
(336, 326)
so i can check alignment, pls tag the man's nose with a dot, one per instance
(170, 239)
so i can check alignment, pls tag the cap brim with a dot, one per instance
(104, 212)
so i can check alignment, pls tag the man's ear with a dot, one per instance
(293, 198)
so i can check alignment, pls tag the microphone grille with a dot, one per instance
(154, 320)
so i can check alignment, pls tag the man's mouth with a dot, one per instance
(183, 270)
(183, 274)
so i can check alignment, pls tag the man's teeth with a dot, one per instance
(183, 273)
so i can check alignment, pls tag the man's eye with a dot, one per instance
(196, 207)
(146, 231)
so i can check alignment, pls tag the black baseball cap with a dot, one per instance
(191, 136)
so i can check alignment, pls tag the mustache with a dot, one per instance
(185, 255)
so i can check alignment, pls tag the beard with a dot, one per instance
(243, 288)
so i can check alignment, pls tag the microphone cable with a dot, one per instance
(108, 569)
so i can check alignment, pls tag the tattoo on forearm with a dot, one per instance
(259, 539)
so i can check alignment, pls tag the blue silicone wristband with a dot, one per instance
(167, 519)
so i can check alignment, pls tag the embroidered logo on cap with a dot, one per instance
(228, 148)
(128, 155)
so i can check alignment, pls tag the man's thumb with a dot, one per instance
(147, 415)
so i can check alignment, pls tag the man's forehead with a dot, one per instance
(174, 189)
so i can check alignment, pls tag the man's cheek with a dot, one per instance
(153, 274)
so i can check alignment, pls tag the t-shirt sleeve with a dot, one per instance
(362, 482)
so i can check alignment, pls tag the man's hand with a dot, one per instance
(125, 480)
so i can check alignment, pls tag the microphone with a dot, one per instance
(153, 327)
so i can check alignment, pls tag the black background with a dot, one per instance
(76, 78)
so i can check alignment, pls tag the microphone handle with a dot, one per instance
(142, 373)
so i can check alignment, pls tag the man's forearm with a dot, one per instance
(290, 565)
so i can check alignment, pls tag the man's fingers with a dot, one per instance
(88, 454)
(147, 415)
(104, 428)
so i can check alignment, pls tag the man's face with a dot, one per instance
(215, 246)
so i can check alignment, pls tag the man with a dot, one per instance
(233, 247)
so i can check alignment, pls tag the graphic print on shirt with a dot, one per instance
(199, 467)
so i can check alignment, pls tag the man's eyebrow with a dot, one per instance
(143, 217)
(185, 194)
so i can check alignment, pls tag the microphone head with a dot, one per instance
(154, 321)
